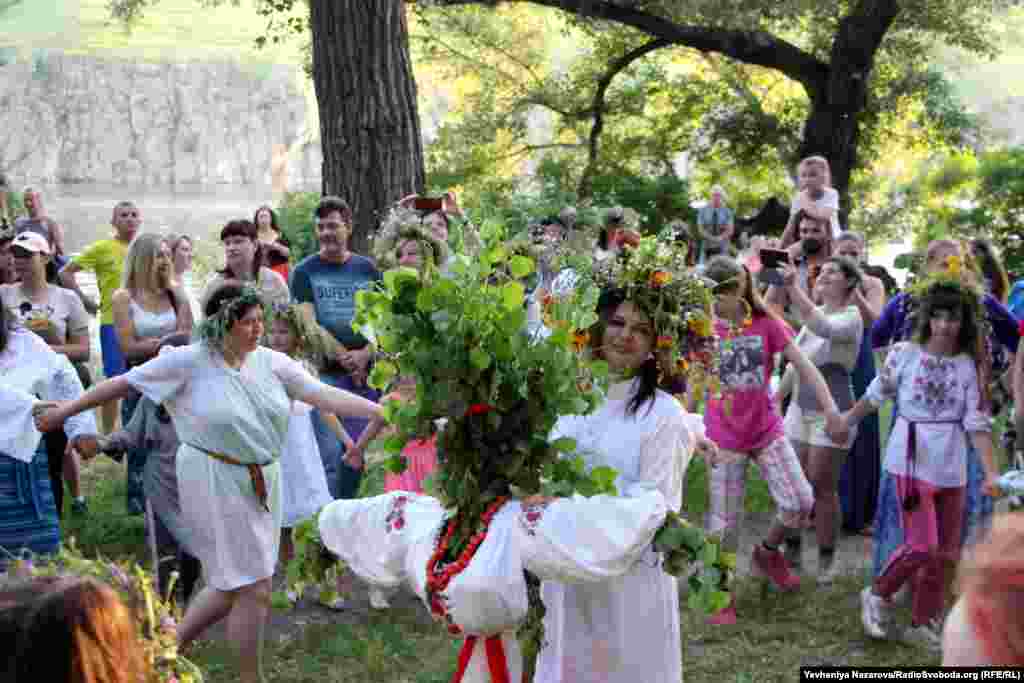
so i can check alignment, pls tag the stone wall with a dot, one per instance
(66, 119)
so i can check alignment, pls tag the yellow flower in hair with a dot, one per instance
(580, 339)
(954, 264)
(660, 278)
(682, 365)
(700, 326)
(665, 342)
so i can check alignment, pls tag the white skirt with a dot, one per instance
(233, 536)
(303, 481)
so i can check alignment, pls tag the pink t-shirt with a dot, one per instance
(748, 420)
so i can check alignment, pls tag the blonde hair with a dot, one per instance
(138, 263)
(817, 161)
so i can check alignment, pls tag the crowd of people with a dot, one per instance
(247, 411)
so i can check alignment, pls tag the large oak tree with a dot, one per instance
(366, 89)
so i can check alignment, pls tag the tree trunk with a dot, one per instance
(369, 121)
(832, 129)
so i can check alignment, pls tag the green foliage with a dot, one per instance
(500, 391)
(295, 217)
(155, 617)
(683, 545)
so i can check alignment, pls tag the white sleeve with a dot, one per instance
(588, 539)
(663, 459)
(64, 385)
(161, 378)
(847, 325)
(372, 536)
(274, 288)
(298, 383)
(975, 419)
(794, 204)
(886, 385)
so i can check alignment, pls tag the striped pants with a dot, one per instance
(781, 470)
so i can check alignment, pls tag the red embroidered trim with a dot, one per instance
(396, 517)
(437, 581)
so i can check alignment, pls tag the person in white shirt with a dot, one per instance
(940, 404)
(814, 196)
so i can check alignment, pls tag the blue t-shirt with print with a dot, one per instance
(332, 288)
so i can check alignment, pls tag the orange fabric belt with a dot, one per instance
(259, 484)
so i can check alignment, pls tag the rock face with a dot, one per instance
(68, 119)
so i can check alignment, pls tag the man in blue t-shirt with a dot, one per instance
(325, 285)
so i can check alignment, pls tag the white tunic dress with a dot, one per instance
(239, 413)
(303, 480)
(627, 629)
(388, 540)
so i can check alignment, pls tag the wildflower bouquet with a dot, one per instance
(156, 618)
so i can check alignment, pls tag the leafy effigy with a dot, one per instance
(498, 391)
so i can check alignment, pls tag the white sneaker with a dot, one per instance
(827, 574)
(874, 614)
(378, 600)
(926, 636)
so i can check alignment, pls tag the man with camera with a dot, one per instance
(808, 255)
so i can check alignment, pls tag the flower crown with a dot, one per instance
(654, 276)
(214, 330)
(962, 275)
(401, 225)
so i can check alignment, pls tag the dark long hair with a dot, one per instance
(241, 227)
(992, 268)
(647, 373)
(273, 218)
(943, 297)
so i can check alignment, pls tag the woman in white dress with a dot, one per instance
(229, 399)
(626, 629)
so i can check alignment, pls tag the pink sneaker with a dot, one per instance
(726, 617)
(772, 564)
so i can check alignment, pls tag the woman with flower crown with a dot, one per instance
(626, 629)
(228, 398)
(937, 382)
(624, 624)
(1001, 337)
(746, 425)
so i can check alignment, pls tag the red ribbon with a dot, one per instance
(496, 661)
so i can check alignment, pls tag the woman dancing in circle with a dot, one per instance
(229, 399)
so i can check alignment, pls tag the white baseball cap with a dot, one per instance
(32, 241)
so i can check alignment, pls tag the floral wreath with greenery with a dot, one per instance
(401, 225)
(155, 617)
(214, 329)
(963, 275)
(654, 276)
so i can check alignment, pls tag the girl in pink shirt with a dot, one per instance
(746, 424)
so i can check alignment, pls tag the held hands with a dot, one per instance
(87, 446)
(49, 415)
(837, 426)
(991, 486)
(708, 449)
(354, 457)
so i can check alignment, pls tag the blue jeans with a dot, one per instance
(342, 480)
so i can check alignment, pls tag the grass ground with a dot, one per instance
(776, 635)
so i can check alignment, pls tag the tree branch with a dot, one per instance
(751, 47)
(598, 107)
